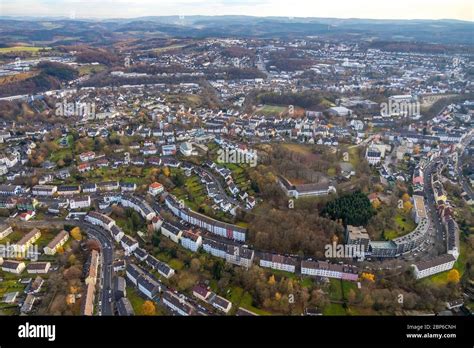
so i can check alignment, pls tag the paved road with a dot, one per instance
(261, 66)
(462, 179)
(107, 247)
(430, 200)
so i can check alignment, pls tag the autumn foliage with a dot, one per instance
(148, 308)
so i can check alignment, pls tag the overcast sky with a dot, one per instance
(378, 9)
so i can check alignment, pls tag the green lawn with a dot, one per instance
(306, 282)
(46, 237)
(334, 309)
(89, 68)
(271, 109)
(348, 285)
(193, 193)
(13, 237)
(283, 274)
(10, 286)
(176, 264)
(239, 298)
(22, 49)
(403, 224)
(135, 299)
(335, 289)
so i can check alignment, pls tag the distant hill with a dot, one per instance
(53, 30)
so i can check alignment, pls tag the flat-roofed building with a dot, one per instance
(44, 190)
(419, 210)
(357, 235)
(328, 270)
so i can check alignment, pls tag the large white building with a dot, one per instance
(186, 148)
(279, 262)
(24, 243)
(44, 190)
(325, 269)
(128, 244)
(57, 242)
(216, 227)
(139, 205)
(80, 202)
(12, 266)
(100, 220)
(373, 155)
(191, 240)
(305, 190)
(419, 210)
(177, 304)
(171, 231)
(437, 265)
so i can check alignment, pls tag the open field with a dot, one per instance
(168, 48)
(271, 110)
(403, 224)
(298, 148)
(87, 69)
(17, 77)
(22, 49)
(239, 298)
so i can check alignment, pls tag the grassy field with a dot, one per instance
(354, 156)
(335, 289)
(334, 309)
(403, 224)
(192, 193)
(135, 299)
(137, 302)
(239, 298)
(298, 148)
(22, 49)
(271, 110)
(176, 264)
(10, 286)
(167, 48)
(60, 155)
(17, 77)
(88, 69)
(12, 238)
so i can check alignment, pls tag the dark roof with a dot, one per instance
(423, 265)
(124, 307)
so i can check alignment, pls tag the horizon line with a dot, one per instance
(64, 17)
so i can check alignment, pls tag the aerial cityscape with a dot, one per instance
(184, 164)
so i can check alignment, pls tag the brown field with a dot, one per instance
(17, 77)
